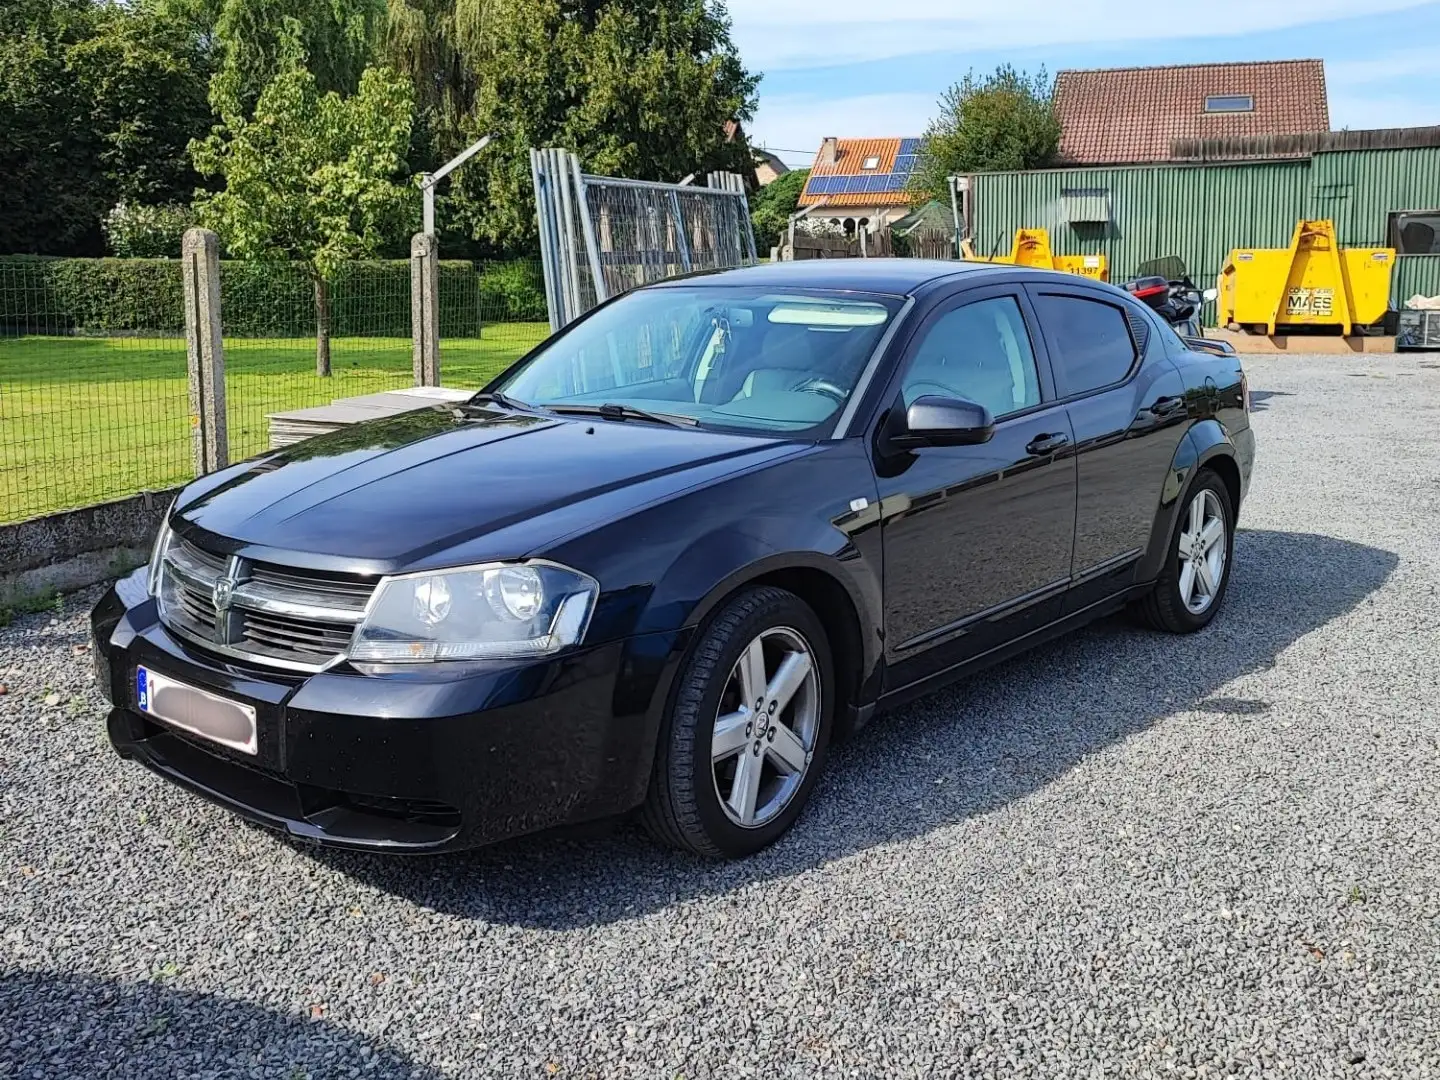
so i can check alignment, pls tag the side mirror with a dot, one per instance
(940, 421)
(1210, 294)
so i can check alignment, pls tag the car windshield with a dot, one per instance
(750, 360)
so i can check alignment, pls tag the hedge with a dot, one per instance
(258, 300)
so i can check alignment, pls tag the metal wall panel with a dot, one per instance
(1201, 212)
(1415, 274)
(1359, 189)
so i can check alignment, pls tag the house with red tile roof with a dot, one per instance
(861, 183)
(1136, 115)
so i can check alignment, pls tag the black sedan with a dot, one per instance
(669, 557)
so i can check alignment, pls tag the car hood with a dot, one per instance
(392, 493)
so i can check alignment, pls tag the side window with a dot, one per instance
(1090, 342)
(980, 351)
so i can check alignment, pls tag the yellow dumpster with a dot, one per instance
(1031, 247)
(1313, 282)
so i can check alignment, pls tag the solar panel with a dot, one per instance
(821, 185)
(909, 146)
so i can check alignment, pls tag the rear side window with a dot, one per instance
(1090, 342)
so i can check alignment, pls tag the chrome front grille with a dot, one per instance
(272, 614)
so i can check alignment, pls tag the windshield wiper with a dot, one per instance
(612, 411)
(500, 398)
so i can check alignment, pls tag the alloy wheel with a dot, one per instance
(765, 730)
(1202, 551)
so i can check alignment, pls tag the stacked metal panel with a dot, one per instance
(603, 235)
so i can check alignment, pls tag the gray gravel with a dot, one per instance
(1125, 854)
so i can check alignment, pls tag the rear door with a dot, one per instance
(1126, 405)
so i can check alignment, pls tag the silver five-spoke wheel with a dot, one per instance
(1202, 552)
(765, 730)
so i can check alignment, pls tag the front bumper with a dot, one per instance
(432, 758)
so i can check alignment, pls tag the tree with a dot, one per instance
(97, 104)
(311, 176)
(770, 210)
(639, 88)
(250, 38)
(1002, 121)
(143, 81)
(53, 191)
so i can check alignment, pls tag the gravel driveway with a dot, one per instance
(1124, 854)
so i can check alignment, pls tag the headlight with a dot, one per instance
(476, 613)
(157, 555)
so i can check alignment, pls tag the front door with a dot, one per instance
(977, 539)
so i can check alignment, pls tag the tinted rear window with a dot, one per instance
(1090, 341)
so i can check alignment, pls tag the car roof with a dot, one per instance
(896, 276)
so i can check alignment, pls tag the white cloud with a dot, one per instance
(799, 122)
(780, 34)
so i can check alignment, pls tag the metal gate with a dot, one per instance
(601, 235)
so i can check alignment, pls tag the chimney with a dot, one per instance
(827, 150)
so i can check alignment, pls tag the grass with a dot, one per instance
(88, 419)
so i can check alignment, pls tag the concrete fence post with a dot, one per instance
(205, 349)
(425, 309)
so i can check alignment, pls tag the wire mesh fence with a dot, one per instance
(291, 343)
(94, 399)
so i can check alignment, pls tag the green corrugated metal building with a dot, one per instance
(1201, 210)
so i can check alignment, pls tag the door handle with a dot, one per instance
(1046, 444)
(1167, 406)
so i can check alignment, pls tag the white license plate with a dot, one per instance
(197, 711)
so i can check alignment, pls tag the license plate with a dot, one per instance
(197, 711)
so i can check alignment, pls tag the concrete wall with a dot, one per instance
(77, 548)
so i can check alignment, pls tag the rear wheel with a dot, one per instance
(747, 735)
(1191, 587)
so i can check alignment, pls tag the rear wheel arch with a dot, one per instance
(1205, 446)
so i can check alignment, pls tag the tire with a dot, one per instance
(1167, 607)
(692, 801)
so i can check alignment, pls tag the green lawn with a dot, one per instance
(88, 419)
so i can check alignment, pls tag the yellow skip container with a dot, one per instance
(1031, 247)
(1313, 282)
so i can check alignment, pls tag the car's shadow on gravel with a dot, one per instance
(961, 752)
(64, 1025)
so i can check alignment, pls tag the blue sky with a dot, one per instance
(837, 68)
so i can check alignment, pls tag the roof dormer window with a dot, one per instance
(870, 163)
(1226, 103)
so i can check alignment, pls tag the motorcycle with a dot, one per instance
(1164, 285)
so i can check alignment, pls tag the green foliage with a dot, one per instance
(97, 103)
(513, 292)
(770, 210)
(988, 123)
(310, 176)
(137, 231)
(635, 89)
(439, 45)
(53, 190)
(116, 296)
(144, 83)
(259, 300)
(255, 40)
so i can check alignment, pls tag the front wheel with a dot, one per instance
(1191, 587)
(747, 734)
